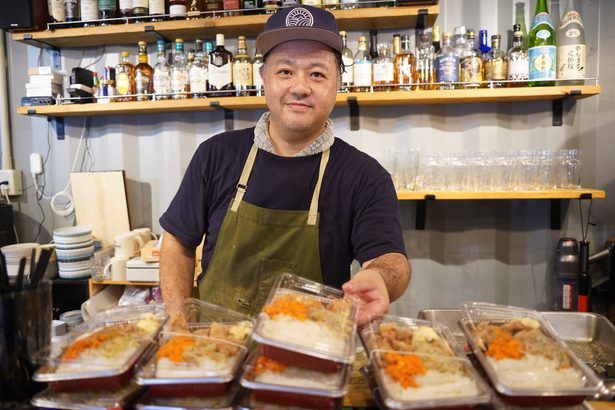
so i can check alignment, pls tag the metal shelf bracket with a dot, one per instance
(229, 115)
(558, 106)
(421, 212)
(353, 113)
(556, 210)
(152, 30)
(27, 38)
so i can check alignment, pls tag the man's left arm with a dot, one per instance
(381, 281)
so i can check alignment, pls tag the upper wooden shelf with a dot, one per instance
(356, 19)
(363, 99)
(463, 195)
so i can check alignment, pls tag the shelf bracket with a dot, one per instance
(152, 30)
(556, 214)
(421, 212)
(229, 115)
(558, 106)
(27, 38)
(353, 108)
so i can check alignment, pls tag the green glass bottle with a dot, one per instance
(542, 50)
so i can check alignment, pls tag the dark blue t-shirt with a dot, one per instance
(359, 212)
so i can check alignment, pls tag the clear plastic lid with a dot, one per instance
(309, 318)
(110, 344)
(102, 400)
(522, 355)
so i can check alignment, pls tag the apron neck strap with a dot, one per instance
(313, 214)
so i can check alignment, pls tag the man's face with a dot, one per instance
(301, 81)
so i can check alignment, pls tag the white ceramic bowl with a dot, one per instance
(79, 253)
(77, 245)
(72, 231)
(72, 266)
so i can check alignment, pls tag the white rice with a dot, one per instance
(535, 372)
(432, 385)
(92, 361)
(305, 333)
(297, 377)
(205, 368)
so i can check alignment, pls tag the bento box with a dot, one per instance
(272, 382)
(524, 359)
(418, 364)
(307, 324)
(199, 356)
(102, 400)
(104, 351)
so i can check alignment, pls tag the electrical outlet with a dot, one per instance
(13, 177)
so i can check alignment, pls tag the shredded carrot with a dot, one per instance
(404, 368)
(174, 348)
(90, 342)
(263, 364)
(287, 305)
(505, 346)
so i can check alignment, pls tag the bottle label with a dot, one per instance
(543, 34)
(231, 4)
(542, 63)
(258, 80)
(447, 68)
(220, 76)
(496, 70)
(122, 84)
(56, 10)
(362, 73)
(198, 79)
(542, 18)
(142, 83)
(89, 10)
(348, 70)
(405, 74)
(242, 74)
(178, 81)
(571, 62)
(71, 8)
(518, 68)
(472, 70)
(156, 7)
(569, 18)
(140, 4)
(125, 4)
(162, 82)
(106, 5)
(383, 72)
(176, 10)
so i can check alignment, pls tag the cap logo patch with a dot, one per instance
(299, 17)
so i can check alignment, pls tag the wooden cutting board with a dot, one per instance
(101, 203)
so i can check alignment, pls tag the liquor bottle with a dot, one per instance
(71, 10)
(383, 69)
(197, 73)
(257, 63)
(89, 12)
(405, 74)
(179, 73)
(542, 50)
(483, 37)
(251, 6)
(520, 20)
(125, 8)
(425, 72)
(157, 10)
(349, 4)
(348, 60)
(362, 73)
(106, 10)
(194, 9)
(140, 9)
(162, 74)
(124, 79)
(447, 64)
(315, 3)
(471, 63)
(189, 61)
(330, 4)
(220, 70)
(271, 6)
(571, 48)
(56, 11)
(177, 9)
(144, 75)
(435, 41)
(242, 69)
(373, 44)
(518, 62)
(231, 7)
(459, 40)
(214, 8)
(496, 66)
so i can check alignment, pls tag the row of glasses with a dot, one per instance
(526, 170)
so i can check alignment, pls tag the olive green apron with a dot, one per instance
(255, 245)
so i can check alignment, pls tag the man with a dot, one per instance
(286, 196)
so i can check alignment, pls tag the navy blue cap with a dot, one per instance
(300, 23)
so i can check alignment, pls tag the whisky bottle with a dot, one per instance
(214, 8)
(496, 65)
(271, 6)
(106, 10)
(435, 41)
(362, 73)
(157, 10)
(242, 69)
(124, 79)
(144, 75)
(220, 70)
(571, 48)
(405, 74)
(140, 9)
(89, 12)
(177, 9)
(447, 64)
(71, 10)
(542, 50)
(257, 63)
(383, 69)
(518, 62)
(250, 6)
(197, 73)
(56, 11)
(194, 9)
(125, 8)
(471, 63)
(162, 74)
(189, 61)
(348, 60)
(231, 7)
(179, 73)
(425, 72)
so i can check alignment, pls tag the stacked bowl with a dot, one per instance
(14, 253)
(74, 249)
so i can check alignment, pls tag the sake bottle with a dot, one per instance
(571, 49)
(542, 50)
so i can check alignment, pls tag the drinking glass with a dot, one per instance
(570, 161)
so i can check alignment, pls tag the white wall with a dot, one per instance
(480, 250)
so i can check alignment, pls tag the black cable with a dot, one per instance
(585, 226)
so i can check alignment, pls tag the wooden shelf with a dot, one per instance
(357, 19)
(363, 99)
(459, 195)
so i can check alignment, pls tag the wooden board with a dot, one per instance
(468, 195)
(100, 202)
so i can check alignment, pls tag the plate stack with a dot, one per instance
(74, 248)
(14, 253)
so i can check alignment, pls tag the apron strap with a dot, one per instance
(313, 214)
(243, 179)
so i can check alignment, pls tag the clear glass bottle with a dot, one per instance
(383, 69)
(89, 12)
(425, 71)
(71, 10)
(459, 40)
(197, 73)
(435, 39)
(405, 74)
(571, 48)
(125, 8)
(496, 65)
(220, 70)
(157, 10)
(162, 74)
(144, 85)
(471, 63)
(179, 72)
(518, 62)
(107, 9)
(177, 9)
(542, 50)
(348, 60)
(362, 73)
(447, 64)
(124, 79)
(257, 63)
(242, 69)
(483, 37)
